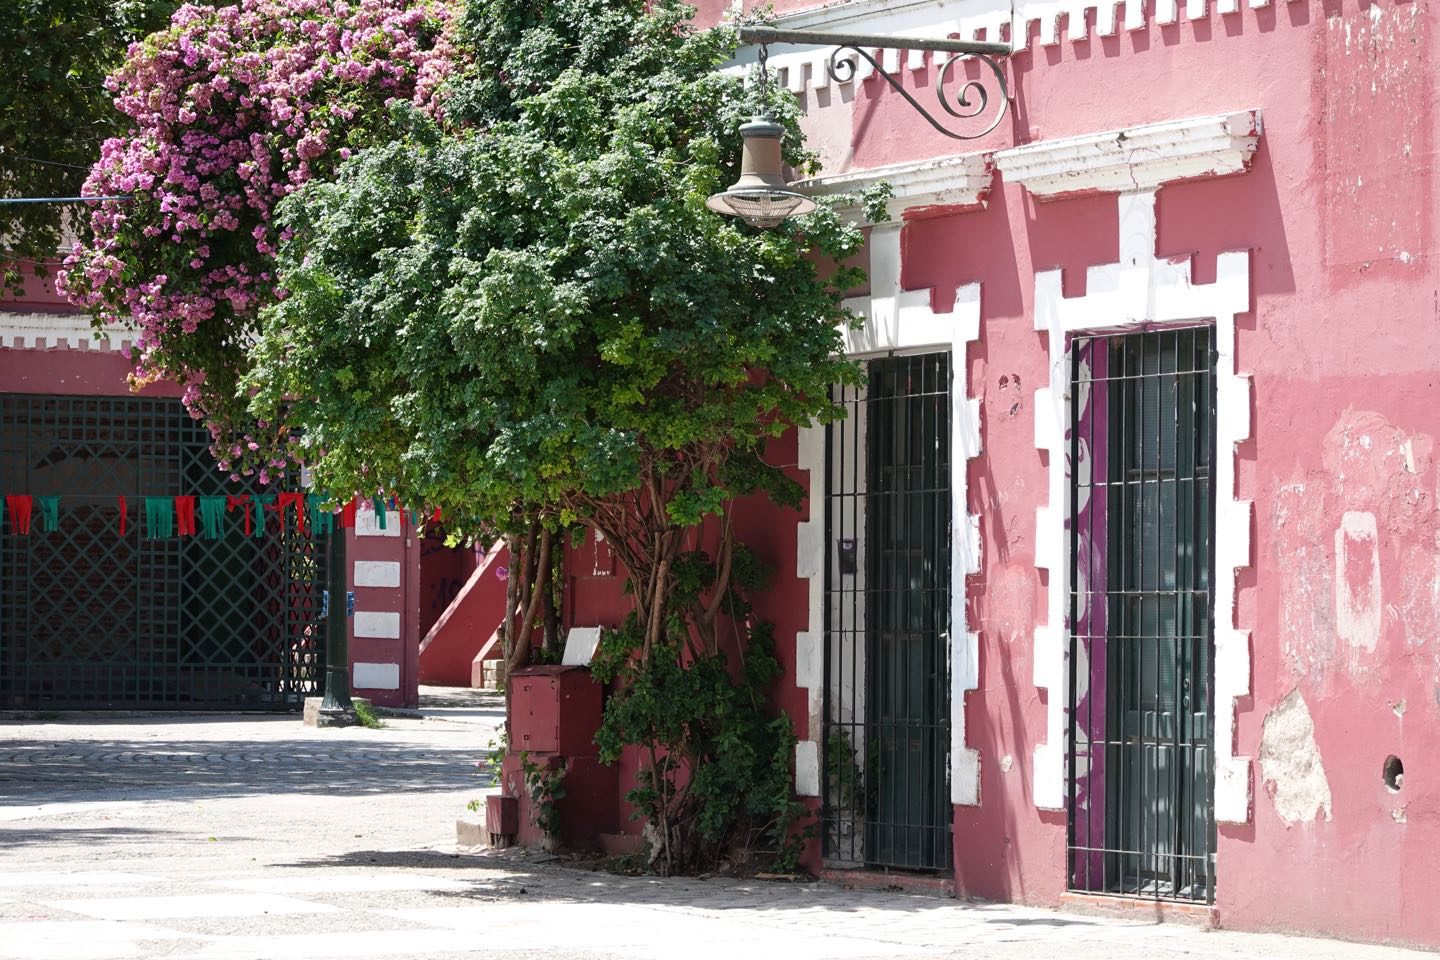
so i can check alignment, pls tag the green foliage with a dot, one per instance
(55, 110)
(520, 310)
(366, 716)
(546, 784)
(845, 779)
(720, 776)
(529, 307)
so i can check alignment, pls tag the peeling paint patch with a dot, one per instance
(1010, 599)
(1373, 68)
(1307, 572)
(1290, 761)
(1357, 581)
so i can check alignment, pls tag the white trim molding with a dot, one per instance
(1142, 289)
(71, 331)
(956, 181)
(898, 319)
(1136, 159)
(802, 69)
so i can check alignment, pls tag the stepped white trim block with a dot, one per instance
(1142, 289)
(40, 331)
(898, 319)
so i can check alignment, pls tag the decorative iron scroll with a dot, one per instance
(842, 70)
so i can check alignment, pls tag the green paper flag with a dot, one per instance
(379, 504)
(321, 521)
(49, 513)
(159, 517)
(212, 517)
(260, 500)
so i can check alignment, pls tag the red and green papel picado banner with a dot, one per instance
(210, 518)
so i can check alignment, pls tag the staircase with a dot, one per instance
(468, 632)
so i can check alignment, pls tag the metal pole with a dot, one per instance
(337, 705)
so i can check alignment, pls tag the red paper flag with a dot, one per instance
(232, 501)
(347, 515)
(19, 505)
(296, 500)
(185, 516)
(124, 512)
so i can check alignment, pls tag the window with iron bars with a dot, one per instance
(887, 611)
(1141, 523)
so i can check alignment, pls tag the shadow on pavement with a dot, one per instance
(520, 879)
(60, 836)
(33, 771)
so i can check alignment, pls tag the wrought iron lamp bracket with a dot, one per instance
(972, 100)
(842, 70)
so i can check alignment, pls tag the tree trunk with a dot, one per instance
(538, 575)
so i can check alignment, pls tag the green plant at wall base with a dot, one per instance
(719, 774)
(366, 716)
(845, 780)
(545, 784)
(489, 766)
(495, 756)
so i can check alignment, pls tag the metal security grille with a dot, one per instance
(887, 620)
(93, 619)
(1141, 819)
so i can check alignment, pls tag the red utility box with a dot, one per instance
(589, 809)
(554, 709)
(502, 820)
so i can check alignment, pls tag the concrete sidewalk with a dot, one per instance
(240, 837)
(463, 705)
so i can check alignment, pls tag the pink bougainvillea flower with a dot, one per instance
(231, 109)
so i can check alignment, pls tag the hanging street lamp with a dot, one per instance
(763, 198)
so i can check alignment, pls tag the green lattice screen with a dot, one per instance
(93, 619)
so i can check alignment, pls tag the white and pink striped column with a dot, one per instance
(385, 632)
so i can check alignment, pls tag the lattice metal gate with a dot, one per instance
(1141, 773)
(887, 686)
(91, 618)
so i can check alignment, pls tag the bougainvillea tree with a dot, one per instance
(526, 314)
(55, 112)
(514, 306)
(232, 109)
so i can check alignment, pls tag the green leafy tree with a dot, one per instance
(524, 313)
(55, 111)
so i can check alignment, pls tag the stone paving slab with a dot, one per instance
(244, 837)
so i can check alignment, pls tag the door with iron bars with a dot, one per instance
(1141, 818)
(887, 689)
(97, 615)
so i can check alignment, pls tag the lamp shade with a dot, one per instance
(761, 196)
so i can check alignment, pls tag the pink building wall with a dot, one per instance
(1340, 595)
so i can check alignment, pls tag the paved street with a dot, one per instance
(245, 837)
